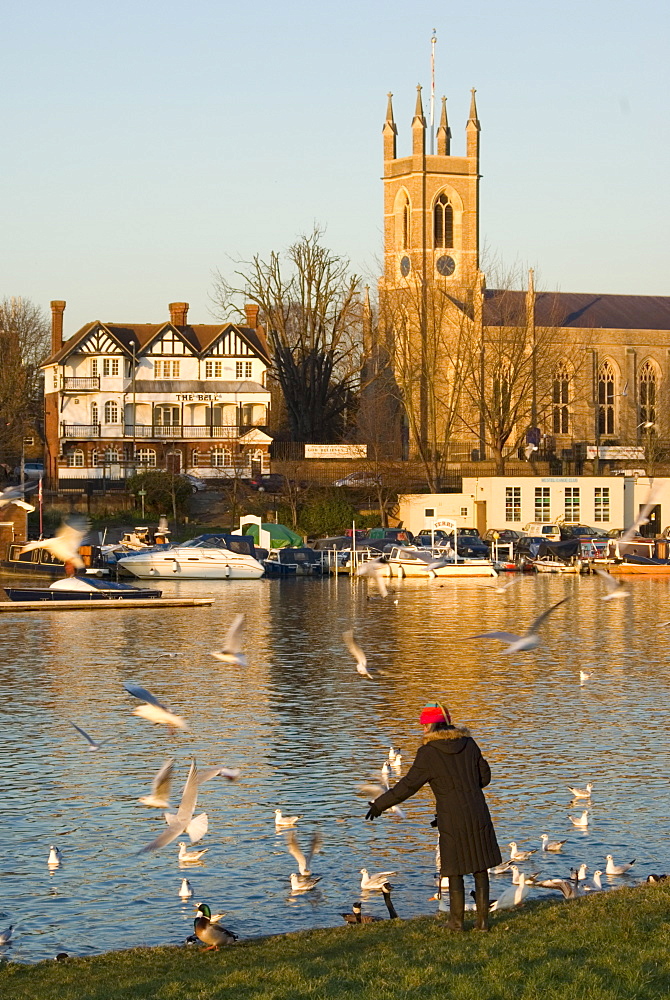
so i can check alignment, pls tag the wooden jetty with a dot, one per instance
(116, 605)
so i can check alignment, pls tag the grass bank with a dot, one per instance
(611, 946)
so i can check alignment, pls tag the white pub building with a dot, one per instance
(124, 397)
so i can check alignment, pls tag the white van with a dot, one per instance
(551, 532)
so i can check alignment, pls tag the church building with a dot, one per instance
(581, 377)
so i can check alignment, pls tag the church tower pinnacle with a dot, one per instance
(443, 132)
(418, 126)
(389, 131)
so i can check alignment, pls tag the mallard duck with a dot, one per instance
(209, 932)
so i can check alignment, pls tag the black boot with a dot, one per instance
(456, 903)
(482, 900)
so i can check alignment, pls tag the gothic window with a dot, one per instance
(560, 400)
(648, 397)
(606, 398)
(111, 412)
(443, 223)
(406, 224)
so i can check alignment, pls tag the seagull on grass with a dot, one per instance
(358, 655)
(520, 643)
(613, 869)
(232, 647)
(153, 710)
(304, 861)
(183, 821)
(512, 896)
(93, 744)
(615, 588)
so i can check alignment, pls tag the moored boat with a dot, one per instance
(82, 588)
(207, 557)
(408, 561)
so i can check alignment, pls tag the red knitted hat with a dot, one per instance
(434, 713)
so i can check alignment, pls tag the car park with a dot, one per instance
(581, 531)
(502, 535)
(359, 479)
(549, 532)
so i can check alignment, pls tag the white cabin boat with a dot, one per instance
(409, 561)
(208, 557)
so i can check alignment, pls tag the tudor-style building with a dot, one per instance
(121, 397)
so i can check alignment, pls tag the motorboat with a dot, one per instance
(82, 588)
(410, 561)
(207, 557)
(295, 561)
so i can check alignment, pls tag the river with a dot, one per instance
(306, 731)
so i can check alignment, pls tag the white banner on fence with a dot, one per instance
(336, 451)
(613, 452)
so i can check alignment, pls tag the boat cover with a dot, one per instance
(564, 551)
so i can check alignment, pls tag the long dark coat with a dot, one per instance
(453, 764)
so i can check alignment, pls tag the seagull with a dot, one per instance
(358, 655)
(500, 588)
(516, 876)
(501, 869)
(153, 710)
(655, 491)
(301, 883)
(613, 869)
(519, 643)
(528, 451)
(160, 787)
(284, 821)
(55, 857)
(231, 773)
(6, 935)
(92, 743)
(185, 890)
(516, 855)
(513, 896)
(232, 647)
(187, 857)
(582, 793)
(15, 494)
(583, 676)
(376, 881)
(386, 770)
(615, 588)
(395, 758)
(596, 884)
(579, 874)
(65, 544)
(580, 821)
(294, 848)
(373, 569)
(568, 887)
(378, 790)
(551, 845)
(183, 820)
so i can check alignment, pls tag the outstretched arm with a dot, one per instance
(416, 777)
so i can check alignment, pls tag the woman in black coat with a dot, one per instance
(453, 764)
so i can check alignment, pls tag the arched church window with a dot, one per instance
(560, 400)
(443, 223)
(606, 398)
(648, 392)
(406, 224)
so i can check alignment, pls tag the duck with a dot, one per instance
(209, 932)
(187, 857)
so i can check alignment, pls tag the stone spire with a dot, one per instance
(443, 132)
(389, 131)
(472, 129)
(418, 127)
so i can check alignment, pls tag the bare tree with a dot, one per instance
(24, 343)
(309, 304)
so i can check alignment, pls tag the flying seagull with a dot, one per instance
(93, 745)
(65, 544)
(358, 655)
(373, 569)
(15, 495)
(615, 588)
(153, 710)
(159, 796)
(655, 491)
(304, 861)
(183, 820)
(519, 643)
(232, 647)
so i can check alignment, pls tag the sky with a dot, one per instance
(148, 144)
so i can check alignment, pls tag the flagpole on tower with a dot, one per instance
(433, 43)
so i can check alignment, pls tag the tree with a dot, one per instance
(309, 303)
(164, 491)
(24, 344)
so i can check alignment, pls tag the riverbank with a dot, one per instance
(609, 946)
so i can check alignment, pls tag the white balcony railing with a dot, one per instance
(158, 432)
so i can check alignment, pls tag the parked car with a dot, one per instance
(581, 531)
(399, 536)
(502, 535)
(359, 479)
(549, 532)
(33, 470)
(272, 482)
(195, 482)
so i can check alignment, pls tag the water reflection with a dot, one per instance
(307, 730)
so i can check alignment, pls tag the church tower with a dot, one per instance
(431, 205)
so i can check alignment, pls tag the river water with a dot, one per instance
(306, 730)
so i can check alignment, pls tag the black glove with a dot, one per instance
(433, 822)
(374, 812)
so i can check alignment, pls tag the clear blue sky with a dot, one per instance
(148, 143)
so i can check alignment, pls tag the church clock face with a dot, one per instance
(445, 265)
(405, 266)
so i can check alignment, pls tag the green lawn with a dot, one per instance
(605, 947)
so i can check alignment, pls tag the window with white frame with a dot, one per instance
(601, 503)
(512, 503)
(166, 415)
(221, 457)
(572, 503)
(195, 458)
(146, 457)
(112, 456)
(248, 369)
(95, 457)
(75, 458)
(543, 504)
(239, 369)
(110, 366)
(95, 414)
(54, 380)
(111, 412)
(213, 369)
(166, 369)
(94, 367)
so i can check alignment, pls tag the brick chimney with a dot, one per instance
(178, 313)
(57, 310)
(251, 309)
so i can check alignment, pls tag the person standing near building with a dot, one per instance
(450, 760)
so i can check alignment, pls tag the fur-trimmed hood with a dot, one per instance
(454, 732)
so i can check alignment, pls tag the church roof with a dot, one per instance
(582, 310)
